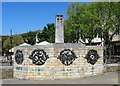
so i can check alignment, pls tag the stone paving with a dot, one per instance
(107, 78)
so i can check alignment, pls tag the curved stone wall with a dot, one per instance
(58, 61)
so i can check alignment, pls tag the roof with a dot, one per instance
(43, 43)
(24, 44)
(96, 40)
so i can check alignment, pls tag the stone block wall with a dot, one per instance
(53, 68)
(112, 67)
(6, 72)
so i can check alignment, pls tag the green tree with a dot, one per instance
(48, 33)
(17, 40)
(80, 22)
(3, 38)
(88, 20)
(30, 37)
(109, 21)
(85, 21)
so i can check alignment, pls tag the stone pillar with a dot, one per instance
(59, 32)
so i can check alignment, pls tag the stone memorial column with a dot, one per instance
(59, 32)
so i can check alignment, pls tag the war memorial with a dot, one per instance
(57, 60)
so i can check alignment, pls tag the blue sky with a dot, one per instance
(22, 17)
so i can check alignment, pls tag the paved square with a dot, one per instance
(107, 78)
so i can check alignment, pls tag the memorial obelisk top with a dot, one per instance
(59, 32)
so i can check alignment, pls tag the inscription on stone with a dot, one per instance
(67, 57)
(19, 57)
(92, 56)
(38, 57)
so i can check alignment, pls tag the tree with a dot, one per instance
(85, 21)
(30, 37)
(80, 22)
(108, 19)
(48, 33)
(3, 38)
(88, 20)
(109, 22)
(17, 40)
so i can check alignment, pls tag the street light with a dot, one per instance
(10, 53)
(11, 38)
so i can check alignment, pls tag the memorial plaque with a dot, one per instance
(38, 57)
(67, 57)
(92, 56)
(19, 57)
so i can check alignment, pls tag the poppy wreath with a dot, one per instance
(19, 57)
(67, 57)
(38, 57)
(92, 56)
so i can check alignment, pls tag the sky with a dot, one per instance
(0, 18)
(22, 17)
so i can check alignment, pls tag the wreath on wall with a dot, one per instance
(92, 56)
(38, 57)
(19, 57)
(67, 57)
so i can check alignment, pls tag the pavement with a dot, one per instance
(106, 78)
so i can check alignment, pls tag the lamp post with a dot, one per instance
(11, 37)
(36, 37)
(10, 54)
